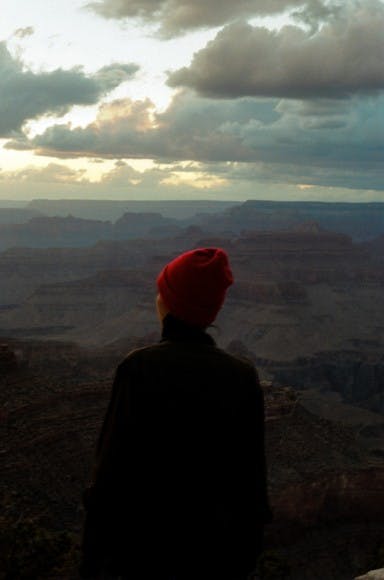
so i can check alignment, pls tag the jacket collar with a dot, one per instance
(177, 330)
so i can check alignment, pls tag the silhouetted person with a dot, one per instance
(179, 486)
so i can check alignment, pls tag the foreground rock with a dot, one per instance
(326, 492)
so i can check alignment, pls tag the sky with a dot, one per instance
(192, 99)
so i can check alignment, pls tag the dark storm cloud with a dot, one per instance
(329, 139)
(344, 57)
(26, 95)
(178, 16)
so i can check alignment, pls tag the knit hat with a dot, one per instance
(194, 284)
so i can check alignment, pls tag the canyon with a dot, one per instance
(297, 293)
(307, 308)
(78, 223)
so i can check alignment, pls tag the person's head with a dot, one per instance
(192, 287)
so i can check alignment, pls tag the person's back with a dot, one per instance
(180, 485)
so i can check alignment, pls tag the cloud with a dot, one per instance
(57, 180)
(177, 181)
(111, 76)
(321, 141)
(24, 32)
(243, 181)
(52, 173)
(172, 176)
(344, 57)
(26, 95)
(178, 16)
(314, 13)
(306, 176)
(189, 129)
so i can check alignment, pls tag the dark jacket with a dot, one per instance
(180, 476)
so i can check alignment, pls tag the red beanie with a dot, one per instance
(194, 284)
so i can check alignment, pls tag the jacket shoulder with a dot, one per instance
(168, 351)
(138, 355)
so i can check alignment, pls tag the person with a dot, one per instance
(179, 487)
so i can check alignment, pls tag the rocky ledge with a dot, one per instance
(327, 494)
